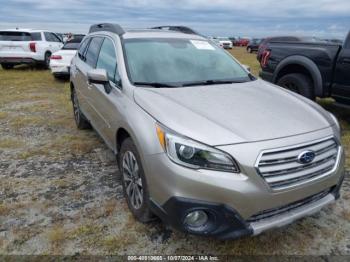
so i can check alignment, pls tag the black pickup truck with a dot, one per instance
(312, 69)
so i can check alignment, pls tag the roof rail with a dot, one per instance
(114, 28)
(180, 28)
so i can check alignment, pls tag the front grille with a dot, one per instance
(284, 209)
(281, 169)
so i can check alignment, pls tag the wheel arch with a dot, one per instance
(120, 136)
(300, 64)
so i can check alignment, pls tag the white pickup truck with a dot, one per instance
(27, 46)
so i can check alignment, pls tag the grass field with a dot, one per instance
(60, 190)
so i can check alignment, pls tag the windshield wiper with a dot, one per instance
(212, 82)
(154, 84)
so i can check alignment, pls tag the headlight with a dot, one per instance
(192, 154)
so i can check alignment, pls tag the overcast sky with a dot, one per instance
(324, 18)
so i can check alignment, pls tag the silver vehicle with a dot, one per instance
(200, 142)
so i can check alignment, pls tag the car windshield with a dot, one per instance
(71, 46)
(180, 62)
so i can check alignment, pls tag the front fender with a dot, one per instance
(308, 64)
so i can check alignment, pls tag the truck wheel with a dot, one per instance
(7, 66)
(298, 83)
(80, 119)
(134, 181)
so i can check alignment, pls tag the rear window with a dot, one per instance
(19, 36)
(71, 46)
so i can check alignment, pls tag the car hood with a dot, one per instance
(233, 113)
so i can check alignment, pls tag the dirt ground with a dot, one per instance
(60, 190)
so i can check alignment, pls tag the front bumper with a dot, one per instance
(60, 70)
(225, 223)
(238, 197)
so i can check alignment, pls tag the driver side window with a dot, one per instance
(108, 60)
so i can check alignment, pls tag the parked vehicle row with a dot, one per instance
(182, 115)
(312, 68)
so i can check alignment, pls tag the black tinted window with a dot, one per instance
(108, 59)
(82, 48)
(15, 36)
(47, 37)
(50, 37)
(55, 38)
(36, 36)
(93, 51)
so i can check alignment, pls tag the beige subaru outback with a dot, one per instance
(200, 142)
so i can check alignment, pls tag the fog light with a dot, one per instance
(196, 218)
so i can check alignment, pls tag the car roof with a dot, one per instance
(26, 30)
(155, 33)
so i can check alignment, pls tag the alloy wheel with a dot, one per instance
(132, 180)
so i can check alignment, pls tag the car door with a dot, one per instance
(341, 87)
(78, 69)
(107, 103)
(57, 43)
(84, 89)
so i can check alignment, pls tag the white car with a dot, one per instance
(27, 46)
(225, 42)
(60, 60)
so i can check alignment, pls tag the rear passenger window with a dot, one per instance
(36, 36)
(50, 37)
(82, 48)
(55, 38)
(93, 51)
(108, 59)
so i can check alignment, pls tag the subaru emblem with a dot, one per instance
(306, 157)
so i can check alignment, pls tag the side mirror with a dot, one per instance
(246, 67)
(100, 77)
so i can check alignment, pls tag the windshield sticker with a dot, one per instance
(203, 45)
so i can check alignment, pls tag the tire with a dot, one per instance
(80, 119)
(46, 62)
(134, 182)
(7, 66)
(298, 83)
(249, 50)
